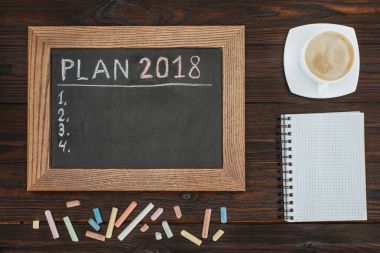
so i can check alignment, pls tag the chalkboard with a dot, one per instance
(136, 108)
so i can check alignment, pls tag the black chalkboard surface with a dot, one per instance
(136, 108)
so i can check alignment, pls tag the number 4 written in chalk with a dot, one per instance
(62, 145)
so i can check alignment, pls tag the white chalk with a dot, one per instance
(158, 236)
(136, 221)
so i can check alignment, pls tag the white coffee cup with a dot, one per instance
(323, 85)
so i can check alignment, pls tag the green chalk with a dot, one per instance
(70, 228)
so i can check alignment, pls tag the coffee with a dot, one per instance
(329, 56)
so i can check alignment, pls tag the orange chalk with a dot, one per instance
(206, 223)
(72, 203)
(95, 236)
(144, 228)
(177, 211)
(125, 214)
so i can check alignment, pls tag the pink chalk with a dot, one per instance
(53, 227)
(157, 214)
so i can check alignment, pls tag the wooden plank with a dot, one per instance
(265, 80)
(237, 238)
(260, 17)
(259, 204)
(267, 24)
(258, 31)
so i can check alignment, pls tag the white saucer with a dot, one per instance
(297, 80)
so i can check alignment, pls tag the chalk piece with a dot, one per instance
(157, 214)
(36, 224)
(111, 223)
(95, 236)
(206, 223)
(144, 228)
(177, 211)
(158, 236)
(98, 216)
(53, 227)
(125, 214)
(93, 224)
(168, 231)
(223, 215)
(72, 203)
(136, 221)
(191, 237)
(217, 235)
(70, 229)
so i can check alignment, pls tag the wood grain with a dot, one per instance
(237, 238)
(266, 85)
(258, 204)
(230, 177)
(253, 215)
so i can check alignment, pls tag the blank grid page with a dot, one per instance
(328, 163)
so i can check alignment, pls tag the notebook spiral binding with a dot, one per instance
(286, 171)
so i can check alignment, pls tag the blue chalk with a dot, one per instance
(223, 214)
(93, 224)
(98, 217)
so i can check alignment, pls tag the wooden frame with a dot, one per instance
(229, 178)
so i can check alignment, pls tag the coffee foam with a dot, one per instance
(329, 56)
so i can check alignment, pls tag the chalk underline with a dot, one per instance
(134, 85)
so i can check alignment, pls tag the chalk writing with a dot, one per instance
(62, 133)
(162, 71)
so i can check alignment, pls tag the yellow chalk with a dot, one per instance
(111, 223)
(191, 237)
(36, 224)
(217, 235)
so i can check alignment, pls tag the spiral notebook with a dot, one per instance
(323, 167)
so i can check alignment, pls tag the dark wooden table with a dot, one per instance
(253, 225)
